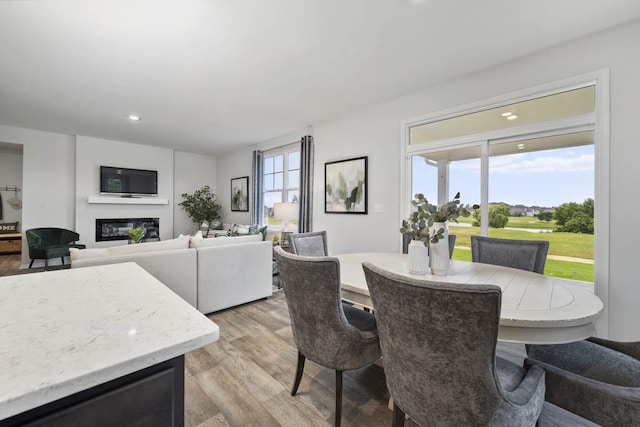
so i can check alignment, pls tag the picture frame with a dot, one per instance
(240, 194)
(346, 186)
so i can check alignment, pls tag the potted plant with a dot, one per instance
(428, 225)
(202, 206)
(137, 234)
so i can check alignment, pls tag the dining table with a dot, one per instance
(536, 309)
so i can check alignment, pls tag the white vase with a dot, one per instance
(418, 258)
(439, 252)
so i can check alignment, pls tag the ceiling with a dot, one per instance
(212, 76)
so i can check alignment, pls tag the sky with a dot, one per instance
(543, 178)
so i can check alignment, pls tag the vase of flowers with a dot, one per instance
(439, 233)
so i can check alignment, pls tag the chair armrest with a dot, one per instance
(599, 402)
(629, 348)
(531, 387)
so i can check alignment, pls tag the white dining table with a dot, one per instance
(536, 309)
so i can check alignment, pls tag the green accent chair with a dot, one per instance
(47, 243)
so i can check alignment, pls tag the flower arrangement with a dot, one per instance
(426, 214)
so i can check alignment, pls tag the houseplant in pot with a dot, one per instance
(202, 207)
(137, 234)
(439, 233)
(427, 226)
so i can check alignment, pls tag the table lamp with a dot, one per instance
(285, 212)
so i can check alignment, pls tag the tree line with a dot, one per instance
(570, 217)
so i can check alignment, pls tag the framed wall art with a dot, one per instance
(240, 194)
(345, 183)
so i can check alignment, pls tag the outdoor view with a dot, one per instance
(536, 195)
(281, 178)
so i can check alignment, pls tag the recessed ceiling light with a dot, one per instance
(512, 117)
(506, 113)
(134, 117)
(520, 146)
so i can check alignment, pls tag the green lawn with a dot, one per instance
(553, 267)
(564, 244)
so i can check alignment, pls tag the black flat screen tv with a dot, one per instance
(128, 182)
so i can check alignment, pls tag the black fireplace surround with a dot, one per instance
(108, 229)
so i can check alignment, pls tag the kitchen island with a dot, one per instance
(98, 345)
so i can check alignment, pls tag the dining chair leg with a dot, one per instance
(338, 398)
(398, 416)
(299, 371)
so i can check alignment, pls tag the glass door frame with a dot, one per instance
(597, 121)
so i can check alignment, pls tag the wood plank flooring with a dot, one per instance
(244, 379)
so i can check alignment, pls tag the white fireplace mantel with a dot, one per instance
(127, 200)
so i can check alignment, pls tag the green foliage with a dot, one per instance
(137, 234)
(545, 216)
(498, 216)
(201, 205)
(426, 214)
(575, 218)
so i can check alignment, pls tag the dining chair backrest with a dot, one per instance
(320, 329)
(438, 345)
(309, 244)
(529, 255)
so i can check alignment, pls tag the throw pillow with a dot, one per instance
(8, 228)
(239, 230)
(255, 229)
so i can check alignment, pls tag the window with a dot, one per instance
(281, 180)
(519, 173)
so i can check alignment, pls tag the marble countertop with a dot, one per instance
(66, 331)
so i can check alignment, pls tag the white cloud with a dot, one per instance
(584, 162)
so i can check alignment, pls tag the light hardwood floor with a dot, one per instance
(245, 378)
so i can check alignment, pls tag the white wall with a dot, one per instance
(91, 153)
(191, 172)
(234, 165)
(48, 179)
(375, 132)
(10, 176)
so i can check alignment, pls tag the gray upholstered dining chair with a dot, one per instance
(439, 350)
(313, 243)
(406, 239)
(327, 332)
(597, 379)
(529, 255)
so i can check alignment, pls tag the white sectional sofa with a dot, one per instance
(210, 274)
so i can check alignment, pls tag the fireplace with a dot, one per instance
(108, 229)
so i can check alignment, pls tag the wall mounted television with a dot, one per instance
(128, 182)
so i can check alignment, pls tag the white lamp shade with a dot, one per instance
(285, 211)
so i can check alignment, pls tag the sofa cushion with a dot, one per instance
(78, 254)
(222, 241)
(165, 245)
